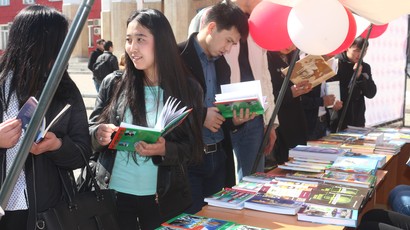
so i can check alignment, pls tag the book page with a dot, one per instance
(333, 88)
(247, 89)
(44, 130)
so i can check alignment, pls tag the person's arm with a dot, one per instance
(366, 83)
(92, 60)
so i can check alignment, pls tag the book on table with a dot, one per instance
(355, 165)
(339, 196)
(128, 135)
(26, 113)
(312, 68)
(316, 152)
(229, 198)
(381, 158)
(350, 179)
(328, 215)
(259, 177)
(242, 95)
(194, 222)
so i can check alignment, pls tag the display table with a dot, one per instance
(394, 172)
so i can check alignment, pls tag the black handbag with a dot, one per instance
(91, 210)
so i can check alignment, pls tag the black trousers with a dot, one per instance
(384, 220)
(14, 220)
(138, 212)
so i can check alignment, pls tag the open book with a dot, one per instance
(313, 68)
(128, 134)
(240, 95)
(26, 113)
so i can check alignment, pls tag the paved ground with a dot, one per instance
(86, 85)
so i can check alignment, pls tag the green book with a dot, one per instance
(226, 108)
(128, 135)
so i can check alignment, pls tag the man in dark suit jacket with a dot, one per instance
(203, 54)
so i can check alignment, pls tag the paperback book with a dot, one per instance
(381, 158)
(26, 113)
(350, 179)
(312, 68)
(273, 204)
(194, 222)
(329, 215)
(229, 198)
(316, 152)
(128, 135)
(338, 196)
(355, 165)
(242, 95)
(259, 177)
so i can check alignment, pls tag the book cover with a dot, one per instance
(355, 165)
(316, 152)
(350, 179)
(240, 95)
(338, 196)
(128, 135)
(248, 186)
(312, 68)
(329, 215)
(259, 177)
(333, 88)
(300, 168)
(381, 158)
(26, 113)
(229, 198)
(194, 222)
(273, 205)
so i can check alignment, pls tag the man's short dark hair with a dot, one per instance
(108, 45)
(100, 41)
(359, 42)
(227, 15)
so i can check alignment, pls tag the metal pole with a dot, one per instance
(278, 103)
(45, 100)
(353, 79)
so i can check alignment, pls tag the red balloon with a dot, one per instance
(351, 34)
(377, 30)
(268, 26)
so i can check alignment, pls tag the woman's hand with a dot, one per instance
(104, 132)
(49, 143)
(10, 132)
(156, 149)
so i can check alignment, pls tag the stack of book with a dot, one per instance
(316, 152)
(306, 165)
(229, 198)
(357, 165)
(349, 179)
(334, 204)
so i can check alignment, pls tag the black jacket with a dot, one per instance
(293, 129)
(43, 181)
(173, 190)
(223, 73)
(93, 58)
(311, 103)
(364, 87)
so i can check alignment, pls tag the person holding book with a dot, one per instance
(152, 181)
(291, 115)
(364, 85)
(203, 53)
(35, 38)
(247, 61)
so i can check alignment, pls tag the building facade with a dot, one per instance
(107, 19)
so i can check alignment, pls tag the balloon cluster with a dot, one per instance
(316, 27)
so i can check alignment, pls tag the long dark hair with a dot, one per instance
(35, 38)
(172, 75)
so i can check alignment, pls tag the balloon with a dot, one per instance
(361, 23)
(267, 26)
(318, 26)
(351, 34)
(377, 30)
(378, 12)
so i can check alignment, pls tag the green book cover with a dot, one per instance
(226, 108)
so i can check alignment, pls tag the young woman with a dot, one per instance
(35, 38)
(151, 181)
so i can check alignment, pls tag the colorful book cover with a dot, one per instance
(351, 179)
(316, 152)
(329, 215)
(188, 221)
(338, 196)
(355, 165)
(259, 177)
(273, 204)
(226, 108)
(248, 186)
(229, 198)
(381, 158)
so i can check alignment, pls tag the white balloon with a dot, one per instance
(318, 27)
(361, 23)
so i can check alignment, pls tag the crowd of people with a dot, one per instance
(160, 180)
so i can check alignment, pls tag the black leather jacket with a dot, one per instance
(173, 190)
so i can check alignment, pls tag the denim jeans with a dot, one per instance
(246, 142)
(206, 178)
(399, 199)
